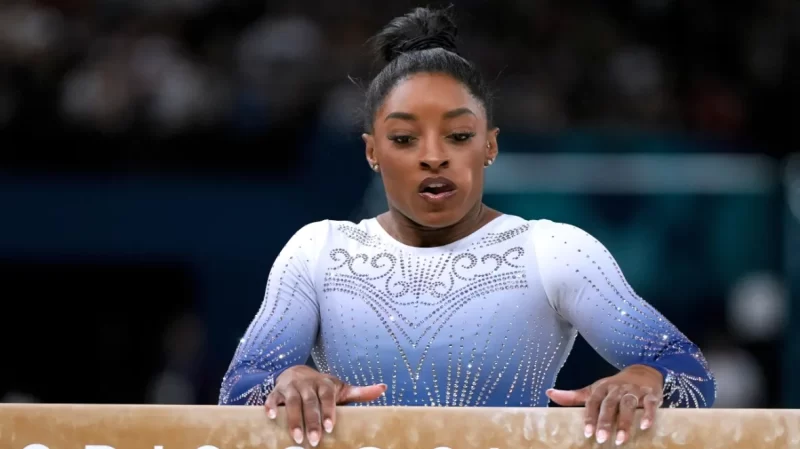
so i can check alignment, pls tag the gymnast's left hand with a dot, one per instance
(615, 399)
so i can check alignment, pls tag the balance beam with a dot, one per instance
(40, 426)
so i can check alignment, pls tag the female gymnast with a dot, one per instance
(441, 300)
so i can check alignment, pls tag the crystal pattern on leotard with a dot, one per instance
(413, 301)
(620, 325)
(488, 320)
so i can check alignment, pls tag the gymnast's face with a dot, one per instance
(431, 143)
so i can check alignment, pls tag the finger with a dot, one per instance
(274, 399)
(294, 414)
(311, 414)
(608, 413)
(361, 394)
(651, 404)
(593, 409)
(569, 398)
(327, 398)
(628, 404)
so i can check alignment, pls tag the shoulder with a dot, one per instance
(540, 226)
(544, 227)
(320, 234)
(311, 234)
(307, 242)
(539, 234)
(305, 246)
(564, 249)
(553, 235)
(565, 255)
(568, 252)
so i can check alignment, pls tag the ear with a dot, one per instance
(491, 147)
(369, 149)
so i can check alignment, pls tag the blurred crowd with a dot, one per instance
(154, 84)
(243, 70)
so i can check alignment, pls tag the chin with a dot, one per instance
(438, 219)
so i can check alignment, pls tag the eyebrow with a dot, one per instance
(447, 115)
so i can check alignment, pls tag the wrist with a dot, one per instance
(295, 370)
(648, 372)
(288, 370)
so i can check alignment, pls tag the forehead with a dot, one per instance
(430, 92)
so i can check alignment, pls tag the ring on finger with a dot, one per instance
(634, 397)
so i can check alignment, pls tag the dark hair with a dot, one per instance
(421, 41)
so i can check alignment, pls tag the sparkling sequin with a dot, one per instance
(488, 320)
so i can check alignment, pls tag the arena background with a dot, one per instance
(155, 155)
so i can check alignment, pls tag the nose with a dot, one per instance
(433, 157)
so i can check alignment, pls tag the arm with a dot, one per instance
(284, 330)
(587, 289)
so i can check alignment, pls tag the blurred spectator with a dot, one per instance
(179, 68)
(247, 87)
(758, 308)
(18, 397)
(179, 379)
(741, 382)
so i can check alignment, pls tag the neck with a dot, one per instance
(410, 233)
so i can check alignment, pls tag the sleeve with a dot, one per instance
(586, 288)
(285, 327)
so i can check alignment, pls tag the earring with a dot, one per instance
(375, 168)
(488, 145)
(488, 163)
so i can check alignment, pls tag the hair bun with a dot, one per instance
(420, 29)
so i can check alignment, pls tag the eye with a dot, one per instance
(461, 137)
(401, 140)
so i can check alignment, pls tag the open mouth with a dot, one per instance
(437, 188)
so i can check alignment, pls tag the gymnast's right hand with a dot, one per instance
(311, 398)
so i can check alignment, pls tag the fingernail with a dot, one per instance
(602, 436)
(620, 437)
(313, 438)
(328, 424)
(297, 434)
(588, 430)
(645, 424)
(272, 413)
